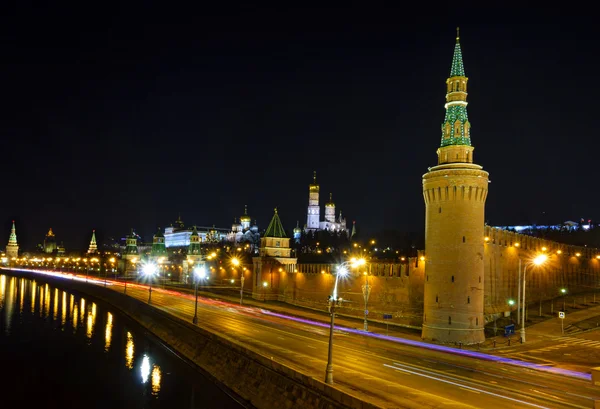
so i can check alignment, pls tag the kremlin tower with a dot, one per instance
(93, 246)
(455, 192)
(12, 248)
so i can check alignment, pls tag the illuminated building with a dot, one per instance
(313, 222)
(455, 192)
(178, 235)
(49, 242)
(93, 249)
(297, 232)
(12, 248)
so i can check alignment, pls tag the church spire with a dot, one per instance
(455, 146)
(93, 246)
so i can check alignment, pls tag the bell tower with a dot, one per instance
(314, 210)
(455, 192)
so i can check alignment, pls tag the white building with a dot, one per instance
(313, 219)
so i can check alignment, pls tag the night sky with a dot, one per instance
(128, 115)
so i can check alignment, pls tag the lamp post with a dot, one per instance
(236, 262)
(334, 301)
(199, 273)
(536, 261)
(564, 293)
(149, 271)
(265, 284)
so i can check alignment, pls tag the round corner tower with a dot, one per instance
(455, 192)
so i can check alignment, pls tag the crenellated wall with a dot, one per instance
(574, 268)
(397, 288)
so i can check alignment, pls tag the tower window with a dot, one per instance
(464, 239)
(449, 320)
(468, 300)
(452, 278)
(436, 298)
(476, 321)
(440, 209)
(479, 279)
(427, 277)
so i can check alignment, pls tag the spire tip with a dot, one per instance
(457, 33)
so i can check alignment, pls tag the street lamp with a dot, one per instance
(541, 259)
(199, 273)
(265, 284)
(149, 270)
(564, 293)
(236, 263)
(334, 301)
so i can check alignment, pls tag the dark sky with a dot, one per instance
(127, 115)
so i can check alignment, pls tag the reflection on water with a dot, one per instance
(129, 351)
(155, 380)
(108, 332)
(84, 367)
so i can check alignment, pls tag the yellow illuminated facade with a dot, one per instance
(454, 192)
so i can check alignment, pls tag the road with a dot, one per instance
(387, 371)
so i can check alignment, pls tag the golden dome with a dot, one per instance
(245, 217)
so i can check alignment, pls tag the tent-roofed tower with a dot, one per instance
(12, 248)
(455, 192)
(158, 245)
(195, 240)
(93, 249)
(131, 256)
(274, 261)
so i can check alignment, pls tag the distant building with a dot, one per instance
(50, 242)
(313, 218)
(178, 235)
(93, 249)
(12, 248)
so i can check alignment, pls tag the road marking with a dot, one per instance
(310, 346)
(469, 390)
(281, 338)
(466, 387)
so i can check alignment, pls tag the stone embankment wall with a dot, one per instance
(256, 379)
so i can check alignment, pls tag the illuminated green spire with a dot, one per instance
(456, 129)
(12, 239)
(93, 246)
(275, 228)
(458, 68)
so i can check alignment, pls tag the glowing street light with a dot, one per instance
(537, 261)
(342, 271)
(236, 262)
(199, 274)
(149, 270)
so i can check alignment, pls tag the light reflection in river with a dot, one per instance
(33, 290)
(46, 300)
(145, 368)
(108, 331)
(2, 289)
(63, 308)
(33, 342)
(129, 349)
(156, 375)
(10, 303)
(22, 295)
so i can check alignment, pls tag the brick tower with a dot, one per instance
(455, 192)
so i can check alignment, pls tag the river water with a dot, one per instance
(62, 350)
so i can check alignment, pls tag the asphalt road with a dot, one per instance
(383, 370)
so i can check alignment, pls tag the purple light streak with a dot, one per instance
(442, 348)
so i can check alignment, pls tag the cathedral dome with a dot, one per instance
(330, 203)
(245, 217)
